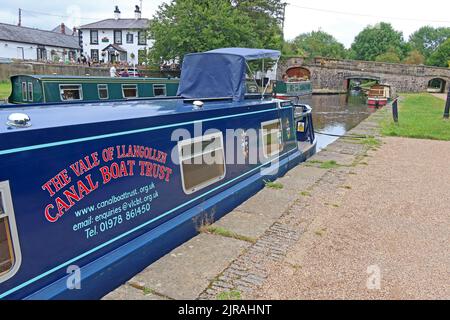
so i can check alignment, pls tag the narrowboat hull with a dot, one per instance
(102, 199)
(377, 102)
(32, 89)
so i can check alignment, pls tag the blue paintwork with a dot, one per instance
(61, 135)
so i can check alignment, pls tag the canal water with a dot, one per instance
(335, 115)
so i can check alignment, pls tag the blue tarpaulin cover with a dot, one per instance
(219, 73)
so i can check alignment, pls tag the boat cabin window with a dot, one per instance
(103, 91)
(271, 137)
(9, 259)
(30, 91)
(129, 91)
(202, 162)
(24, 92)
(159, 90)
(71, 92)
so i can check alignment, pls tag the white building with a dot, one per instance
(22, 43)
(111, 40)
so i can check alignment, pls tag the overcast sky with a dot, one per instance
(406, 16)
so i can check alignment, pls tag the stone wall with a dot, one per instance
(9, 69)
(332, 74)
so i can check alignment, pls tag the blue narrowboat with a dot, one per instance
(92, 193)
(32, 89)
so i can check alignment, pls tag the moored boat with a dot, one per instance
(32, 89)
(378, 95)
(92, 193)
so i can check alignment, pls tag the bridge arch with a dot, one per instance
(437, 85)
(349, 78)
(297, 72)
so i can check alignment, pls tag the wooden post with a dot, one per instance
(447, 106)
(395, 110)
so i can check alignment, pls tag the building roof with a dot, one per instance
(69, 31)
(14, 33)
(118, 24)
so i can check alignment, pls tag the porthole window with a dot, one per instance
(10, 257)
(129, 91)
(103, 93)
(30, 91)
(24, 92)
(202, 162)
(71, 92)
(271, 138)
(159, 90)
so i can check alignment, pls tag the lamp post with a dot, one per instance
(447, 105)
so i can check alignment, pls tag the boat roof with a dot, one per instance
(65, 77)
(249, 53)
(61, 115)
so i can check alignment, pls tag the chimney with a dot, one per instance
(117, 13)
(74, 31)
(63, 28)
(137, 13)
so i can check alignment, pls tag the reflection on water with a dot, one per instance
(336, 114)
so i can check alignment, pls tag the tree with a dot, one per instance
(441, 57)
(318, 44)
(377, 40)
(414, 57)
(267, 17)
(427, 39)
(389, 56)
(185, 26)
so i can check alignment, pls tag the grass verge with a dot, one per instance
(420, 117)
(5, 90)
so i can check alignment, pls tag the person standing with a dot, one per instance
(113, 71)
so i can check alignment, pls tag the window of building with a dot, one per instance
(117, 36)
(70, 92)
(129, 91)
(130, 38)
(142, 38)
(94, 36)
(24, 92)
(271, 137)
(202, 162)
(30, 91)
(103, 91)
(10, 257)
(94, 55)
(159, 90)
(41, 53)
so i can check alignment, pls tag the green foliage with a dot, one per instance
(266, 17)
(414, 57)
(185, 26)
(441, 57)
(420, 116)
(375, 41)
(229, 295)
(273, 185)
(427, 39)
(5, 90)
(317, 44)
(389, 56)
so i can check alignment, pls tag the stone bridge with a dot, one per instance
(334, 75)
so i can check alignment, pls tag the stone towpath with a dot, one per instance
(363, 211)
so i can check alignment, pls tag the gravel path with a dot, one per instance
(392, 215)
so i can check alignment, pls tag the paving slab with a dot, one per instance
(127, 292)
(340, 158)
(187, 271)
(271, 203)
(249, 224)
